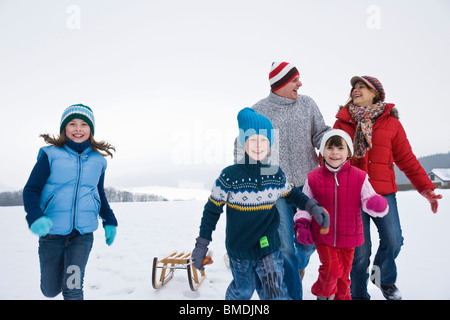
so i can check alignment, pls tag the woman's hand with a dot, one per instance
(432, 198)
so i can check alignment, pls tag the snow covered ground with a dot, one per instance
(154, 229)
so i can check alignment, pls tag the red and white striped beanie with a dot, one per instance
(280, 74)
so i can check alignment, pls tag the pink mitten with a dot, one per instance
(303, 231)
(377, 203)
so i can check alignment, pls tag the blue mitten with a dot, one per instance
(110, 234)
(41, 226)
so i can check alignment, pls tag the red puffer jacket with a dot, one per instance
(389, 145)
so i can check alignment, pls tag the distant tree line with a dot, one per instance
(11, 198)
(114, 195)
(14, 198)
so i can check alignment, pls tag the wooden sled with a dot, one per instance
(176, 260)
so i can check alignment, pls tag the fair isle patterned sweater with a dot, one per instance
(252, 218)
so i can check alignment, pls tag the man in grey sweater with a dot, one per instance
(300, 127)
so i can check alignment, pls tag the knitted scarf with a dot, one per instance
(364, 117)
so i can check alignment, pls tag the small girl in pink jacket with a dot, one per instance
(343, 190)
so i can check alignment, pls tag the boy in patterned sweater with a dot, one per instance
(250, 189)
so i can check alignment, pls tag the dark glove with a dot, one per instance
(199, 252)
(320, 214)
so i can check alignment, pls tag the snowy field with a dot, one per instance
(154, 229)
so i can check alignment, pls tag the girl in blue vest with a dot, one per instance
(63, 198)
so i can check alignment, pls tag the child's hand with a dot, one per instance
(199, 252)
(303, 231)
(41, 226)
(110, 234)
(320, 214)
(377, 203)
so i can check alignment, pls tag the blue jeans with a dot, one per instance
(384, 270)
(63, 260)
(287, 238)
(264, 275)
(303, 253)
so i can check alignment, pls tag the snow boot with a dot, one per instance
(391, 292)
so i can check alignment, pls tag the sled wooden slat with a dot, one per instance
(194, 282)
(171, 262)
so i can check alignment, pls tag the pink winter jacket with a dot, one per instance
(342, 192)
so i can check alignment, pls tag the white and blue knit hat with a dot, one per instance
(78, 111)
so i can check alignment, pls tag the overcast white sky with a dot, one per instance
(166, 79)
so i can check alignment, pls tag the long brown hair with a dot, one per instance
(102, 147)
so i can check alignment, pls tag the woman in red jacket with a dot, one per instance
(379, 142)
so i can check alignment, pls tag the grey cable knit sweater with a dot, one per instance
(299, 127)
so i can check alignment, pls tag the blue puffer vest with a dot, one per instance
(70, 197)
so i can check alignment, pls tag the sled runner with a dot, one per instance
(177, 260)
